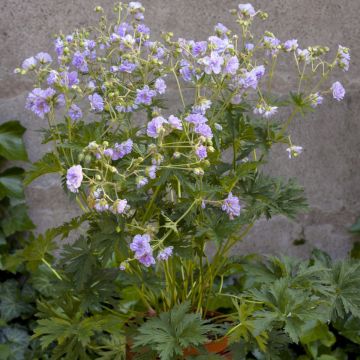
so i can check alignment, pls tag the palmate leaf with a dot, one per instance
(245, 327)
(37, 249)
(16, 219)
(11, 183)
(173, 331)
(349, 328)
(11, 144)
(269, 196)
(14, 343)
(48, 164)
(12, 303)
(290, 307)
(79, 260)
(345, 280)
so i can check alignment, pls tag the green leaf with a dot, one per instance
(79, 260)
(173, 331)
(48, 164)
(11, 301)
(16, 343)
(11, 183)
(349, 328)
(11, 143)
(16, 219)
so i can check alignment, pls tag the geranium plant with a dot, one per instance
(159, 176)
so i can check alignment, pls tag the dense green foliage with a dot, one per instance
(17, 295)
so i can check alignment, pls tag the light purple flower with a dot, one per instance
(175, 122)
(44, 57)
(122, 29)
(249, 47)
(201, 107)
(165, 254)
(249, 79)
(259, 71)
(186, 70)
(265, 110)
(303, 55)
(247, 10)
(141, 181)
(152, 171)
(198, 48)
(201, 152)
(38, 101)
(74, 178)
(127, 66)
(315, 100)
(231, 205)
(232, 65)
(143, 29)
(144, 96)
(29, 63)
(272, 44)
(147, 259)
(196, 119)
(141, 245)
(109, 152)
(203, 130)
(59, 47)
(338, 91)
(69, 79)
(291, 45)
(221, 29)
(294, 151)
(219, 45)
(135, 5)
(212, 63)
(79, 62)
(89, 44)
(96, 102)
(160, 86)
(121, 150)
(343, 58)
(101, 205)
(91, 85)
(75, 112)
(155, 126)
(120, 206)
(52, 77)
(60, 100)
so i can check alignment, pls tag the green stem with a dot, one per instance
(52, 269)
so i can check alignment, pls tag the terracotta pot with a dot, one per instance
(219, 346)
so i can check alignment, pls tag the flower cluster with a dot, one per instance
(154, 169)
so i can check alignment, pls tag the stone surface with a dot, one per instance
(329, 167)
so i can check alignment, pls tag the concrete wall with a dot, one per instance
(329, 167)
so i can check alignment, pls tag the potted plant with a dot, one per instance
(159, 181)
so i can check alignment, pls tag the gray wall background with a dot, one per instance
(329, 166)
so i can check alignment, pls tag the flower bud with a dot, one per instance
(87, 159)
(98, 177)
(199, 171)
(81, 157)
